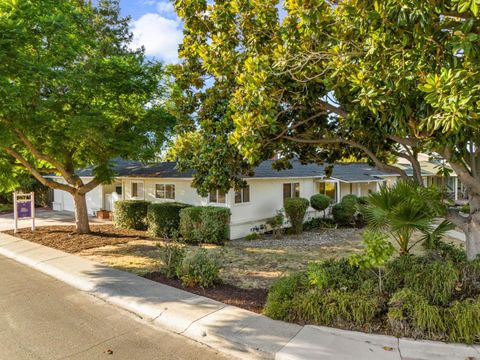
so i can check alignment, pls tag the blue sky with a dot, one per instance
(155, 26)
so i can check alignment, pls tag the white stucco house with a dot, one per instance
(250, 207)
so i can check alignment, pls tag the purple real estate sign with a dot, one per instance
(24, 209)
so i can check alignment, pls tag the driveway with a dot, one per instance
(45, 217)
(42, 318)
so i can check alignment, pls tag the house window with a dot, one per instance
(329, 189)
(118, 189)
(242, 195)
(291, 190)
(137, 189)
(217, 196)
(165, 191)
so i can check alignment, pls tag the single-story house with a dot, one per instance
(250, 207)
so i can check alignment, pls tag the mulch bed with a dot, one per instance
(65, 238)
(249, 299)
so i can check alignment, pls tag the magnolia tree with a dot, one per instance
(73, 94)
(331, 79)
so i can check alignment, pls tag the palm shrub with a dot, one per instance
(403, 209)
(320, 202)
(295, 208)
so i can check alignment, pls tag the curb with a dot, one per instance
(227, 329)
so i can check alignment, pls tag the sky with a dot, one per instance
(155, 25)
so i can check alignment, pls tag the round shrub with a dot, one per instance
(205, 224)
(163, 219)
(319, 202)
(350, 200)
(199, 268)
(343, 213)
(131, 214)
(295, 208)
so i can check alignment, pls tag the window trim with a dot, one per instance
(140, 185)
(165, 191)
(241, 191)
(217, 193)
(293, 190)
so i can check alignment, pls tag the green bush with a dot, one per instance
(276, 224)
(131, 214)
(172, 255)
(163, 219)
(199, 268)
(281, 294)
(320, 202)
(295, 208)
(334, 307)
(205, 224)
(435, 281)
(464, 321)
(252, 236)
(319, 223)
(343, 213)
(350, 200)
(335, 274)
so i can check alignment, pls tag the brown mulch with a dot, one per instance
(249, 299)
(64, 237)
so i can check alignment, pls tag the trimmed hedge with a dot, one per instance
(131, 214)
(295, 208)
(205, 224)
(163, 219)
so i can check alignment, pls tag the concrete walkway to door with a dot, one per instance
(45, 217)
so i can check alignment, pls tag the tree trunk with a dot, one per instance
(81, 214)
(472, 229)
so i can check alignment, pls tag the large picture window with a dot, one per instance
(165, 191)
(291, 190)
(242, 195)
(217, 196)
(329, 189)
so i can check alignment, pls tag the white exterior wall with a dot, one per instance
(63, 201)
(184, 193)
(266, 198)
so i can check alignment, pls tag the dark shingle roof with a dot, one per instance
(347, 172)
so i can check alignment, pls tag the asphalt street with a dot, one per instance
(42, 318)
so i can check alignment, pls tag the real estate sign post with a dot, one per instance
(23, 208)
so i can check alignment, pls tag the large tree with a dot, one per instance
(73, 94)
(334, 78)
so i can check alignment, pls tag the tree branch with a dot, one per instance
(88, 186)
(462, 171)
(332, 108)
(47, 182)
(455, 217)
(72, 179)
(378, 163)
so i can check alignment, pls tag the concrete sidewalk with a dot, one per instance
(231, 330)
(45, 217)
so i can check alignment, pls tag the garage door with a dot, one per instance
(68, 204)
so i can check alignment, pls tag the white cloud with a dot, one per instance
(166, 8)
(160, 36)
